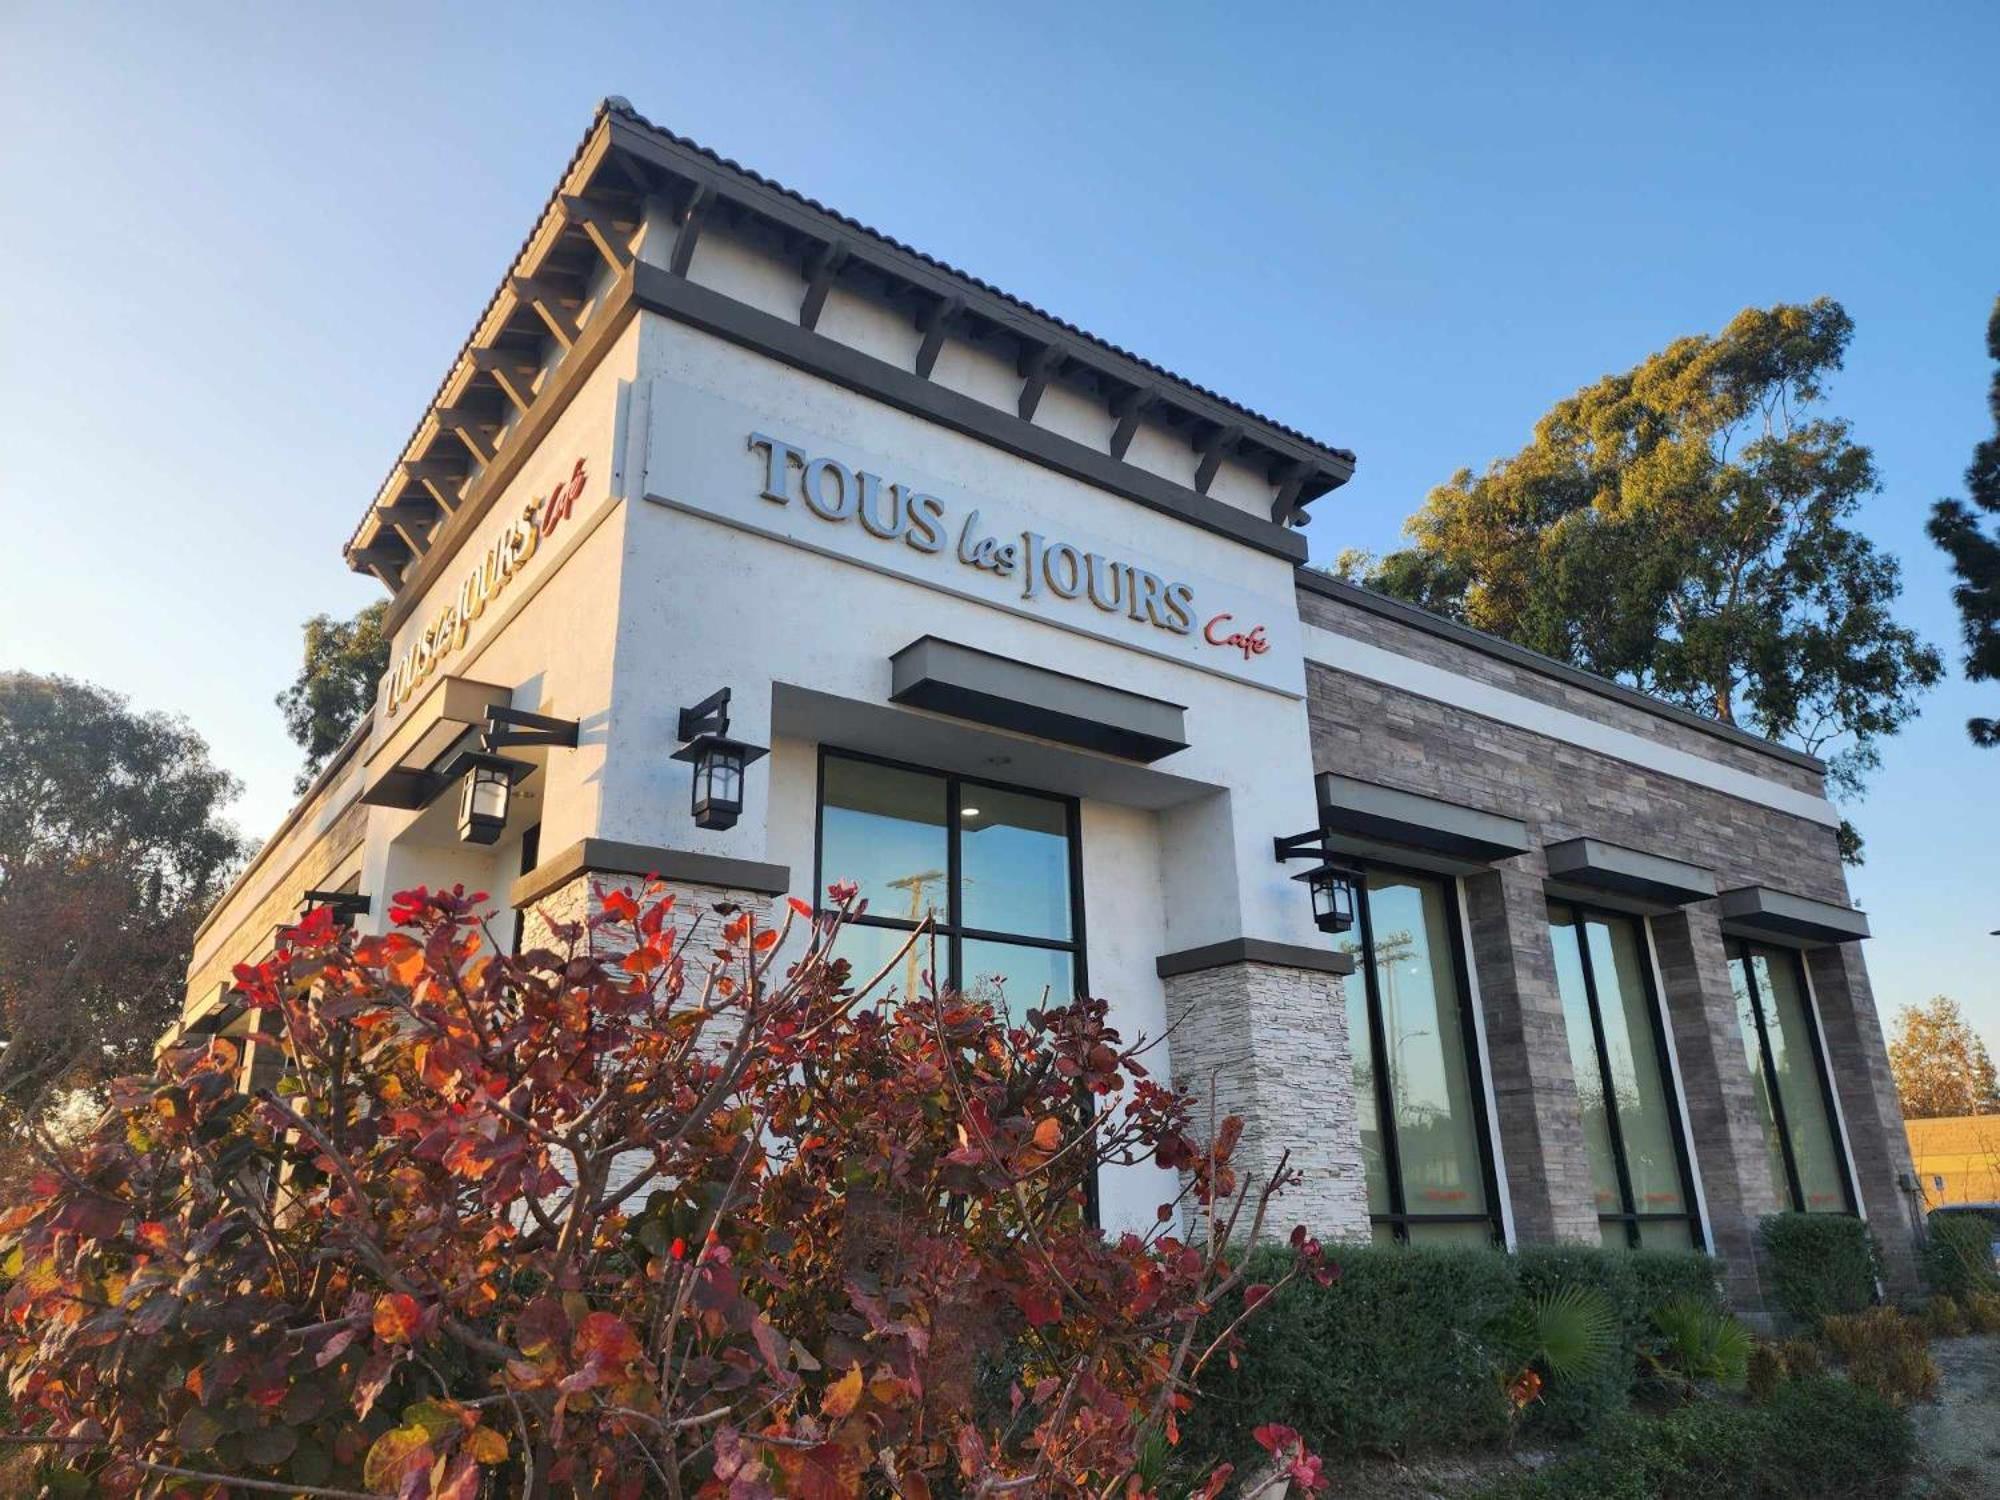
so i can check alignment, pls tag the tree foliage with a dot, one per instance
(112, 847)
(695, 1220)
(1941, 1066)
(1973, 545)
(335, 688)
(1684, 527)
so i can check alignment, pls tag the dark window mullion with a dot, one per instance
(1470, 1030)
(1580, 921)
(953, 946)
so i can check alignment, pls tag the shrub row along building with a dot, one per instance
(747, 546)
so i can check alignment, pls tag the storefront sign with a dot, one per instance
(892, 512)
(509, 552)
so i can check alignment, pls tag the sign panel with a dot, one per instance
(714, 457)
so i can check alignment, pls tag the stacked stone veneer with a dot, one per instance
(1268, 1042)
(580, 899)
(1365, 728)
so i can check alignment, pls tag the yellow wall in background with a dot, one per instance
(1964, 1151)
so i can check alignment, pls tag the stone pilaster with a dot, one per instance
(1268, 1042)
(1540, 1118)
(580, 898)
(1880, 1145)
(1725, 1129)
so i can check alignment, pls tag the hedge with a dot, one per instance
(1404, 1350)
(1819, 1439)
(1958, 1255)
(1821, 1264)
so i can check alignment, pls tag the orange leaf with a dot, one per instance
(1048, 1134)
(842, 1396)
(606, 1340)
(486, 1446)
(801, 908)
(396, 1317)
(765, 941)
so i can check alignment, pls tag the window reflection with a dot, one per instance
(884, 828)
(1014, 858)
(1631, 1122)
(1808, 1168)
(1407, 1033)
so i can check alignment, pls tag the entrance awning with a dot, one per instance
(948, 678)
(403, 771)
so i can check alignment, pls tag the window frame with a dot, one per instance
(1580, 913)
(1742, 950)
(1399, 1218)
(950, 930)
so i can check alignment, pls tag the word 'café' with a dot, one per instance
(1013, 628)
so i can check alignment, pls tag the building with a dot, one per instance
(1957, 1158)
(1023, 622)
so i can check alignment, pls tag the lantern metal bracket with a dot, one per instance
(1308, 845)
(345, 905)
(511, 728)
(710, 716)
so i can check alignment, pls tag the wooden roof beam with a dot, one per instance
(1129, 409)
(821, 271)
(936, 322)
(1291, 480)
(442, 481)
(383, 563)
(601, 228)
(1220, 444)
(547, 300)
(1040, 363)
(693, 214)
(515, 374)
(471, 432)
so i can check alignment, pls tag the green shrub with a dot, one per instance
(1590, 1395)
(1820, 1439)
(1665, 1276)
(1821, 1265)
(1700, 1342)
(1764, 1373)
(1982, 1312)
(1958, 1255)
(1831, 1439)
(1396, 1354)
(1943, 1317)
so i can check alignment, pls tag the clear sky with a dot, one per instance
(240, 245)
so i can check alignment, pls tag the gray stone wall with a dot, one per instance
(1269, 1043)
(1378, 733)
(577, 900)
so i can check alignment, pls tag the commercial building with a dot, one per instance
(1024, 625)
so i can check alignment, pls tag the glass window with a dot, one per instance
(1631, 1120)
(1422, 1118)
(994, 868)
(1794, 1095)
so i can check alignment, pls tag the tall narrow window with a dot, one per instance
(1618, 1051)
(1416, 1080)
(995, 867)
(1788, 1066)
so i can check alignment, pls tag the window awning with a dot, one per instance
(948, 678)
(1599, 866)
(1363, 809)
(403, 769)
(1757, 911)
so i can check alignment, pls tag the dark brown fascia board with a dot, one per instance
(866, 248)
(1595, 864)
(1759, 911)
(658, 290)
(479, 498)
(1253, 951)
(1313, 581)
(685, 866)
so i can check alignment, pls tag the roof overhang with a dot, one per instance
(1386, 815)
(948, 678)
(1757, 911)
(1633, 874)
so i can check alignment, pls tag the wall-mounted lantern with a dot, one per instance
(718, 761)
(1333, 887)
(345, 905)
(486, 785)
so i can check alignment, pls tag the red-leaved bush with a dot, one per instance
(675, 1209)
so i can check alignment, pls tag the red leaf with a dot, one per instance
(605, 1340)
(397, 1317)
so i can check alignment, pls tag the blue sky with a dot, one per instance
(241, 243)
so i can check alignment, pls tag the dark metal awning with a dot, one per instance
(1363, 809)
(1757, 911)
(948, 678)
(1599, 866)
